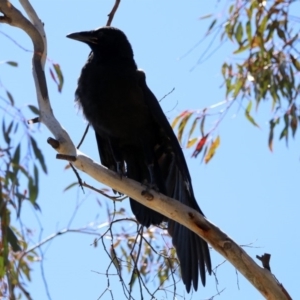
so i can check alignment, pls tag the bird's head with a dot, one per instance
(106, 42)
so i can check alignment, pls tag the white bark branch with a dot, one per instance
(261, 278)
(35, 30)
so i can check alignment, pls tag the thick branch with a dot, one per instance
(261, 278)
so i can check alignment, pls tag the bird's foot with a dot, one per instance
(150, 185)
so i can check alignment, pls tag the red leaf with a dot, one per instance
(199, 146)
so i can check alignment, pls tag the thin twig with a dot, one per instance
(83, 137)
(114, 198)
(166, 95)
(112, 13)
(78, 177)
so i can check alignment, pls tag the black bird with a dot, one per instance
(136, 140)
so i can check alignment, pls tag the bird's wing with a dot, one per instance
(192, 251)
(163, 123)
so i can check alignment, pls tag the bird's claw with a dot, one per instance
(150, 185)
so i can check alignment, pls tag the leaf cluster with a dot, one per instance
(19, 182)
(264, 67)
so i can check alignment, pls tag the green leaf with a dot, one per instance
(36, 206)
(5, 220)
(202, 123)
(25, 269)
(10, 97)
(281, 34)
(237, 87)
(33, 185)
(6, 132)
(127, 258)
(263, 24)
(70, 186)
(205, 17)
(59, 76)
(38, 154)
(133, 278)
(60, 79)
(224, 68)
(248, 116)
(213, 23)
(228, 30)
(34, 109)
(32, 188)
(114, 259)
(239, 33)
(249, 31)
(16, 158)
(295, 62)
(249, 107)
(285, 131)
(12, 63)
(2, 267)
(250, 10)
(13, 240)
(228, 86)
(241, 49)
(273, 123)
(294, 124)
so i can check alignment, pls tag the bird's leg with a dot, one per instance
(149, 159)
(120, 168)
(152, 176)
(117, 157)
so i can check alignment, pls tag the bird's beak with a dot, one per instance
(84, 36)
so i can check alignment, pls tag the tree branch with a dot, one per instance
(35, 30)
(261, 278)
(112, 13)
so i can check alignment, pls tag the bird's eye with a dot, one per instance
(100, 34)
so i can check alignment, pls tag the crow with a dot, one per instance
(135, 139)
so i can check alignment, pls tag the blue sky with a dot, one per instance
(246, 190)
